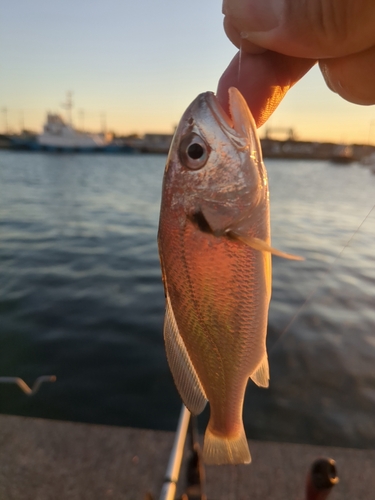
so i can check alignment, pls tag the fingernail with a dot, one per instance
(254, 15)
(327, 77)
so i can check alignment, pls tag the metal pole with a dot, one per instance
(22, 123)
(168, 490)
(30, 391)
(103, 119)
(82, 117)
(5, 112)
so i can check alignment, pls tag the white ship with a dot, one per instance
(58, 135)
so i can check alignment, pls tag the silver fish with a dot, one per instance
(214, 244)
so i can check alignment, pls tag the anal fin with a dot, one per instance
(184, 375)
(261, 376)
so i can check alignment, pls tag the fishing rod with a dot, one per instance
(168, 490)
(195, 476)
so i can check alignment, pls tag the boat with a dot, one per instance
(368, 160)
(60, 136)
(343, 154)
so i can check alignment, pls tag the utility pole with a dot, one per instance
(5, 113)
(103, 120)
(68, 105)
(82, 119)
(22, 123)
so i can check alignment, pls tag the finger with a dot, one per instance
(310, 28)
(263, 80)
(352, 77)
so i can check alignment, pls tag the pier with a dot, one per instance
(47, 459)
(288, 148)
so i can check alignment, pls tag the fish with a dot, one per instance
(215, 253)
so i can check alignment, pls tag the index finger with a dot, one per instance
(263, 79)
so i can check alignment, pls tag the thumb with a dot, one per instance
(310, 28)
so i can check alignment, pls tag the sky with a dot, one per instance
(136, 66)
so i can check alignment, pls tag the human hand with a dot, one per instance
(281, 40)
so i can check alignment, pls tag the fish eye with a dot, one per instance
(193, 152)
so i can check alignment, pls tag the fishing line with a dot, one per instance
(322, 282)
(239, 63)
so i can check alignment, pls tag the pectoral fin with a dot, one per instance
(184, 375)
(262, 246)
(261, 376)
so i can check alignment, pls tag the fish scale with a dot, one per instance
(214, 245)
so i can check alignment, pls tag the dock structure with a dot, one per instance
(46, 459)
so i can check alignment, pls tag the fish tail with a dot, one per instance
(220, 449)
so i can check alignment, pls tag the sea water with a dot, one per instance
(81, 297)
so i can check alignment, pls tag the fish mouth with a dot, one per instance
(239, 125)
(224, 120)
(240, 121)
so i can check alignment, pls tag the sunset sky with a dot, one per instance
(140, 63)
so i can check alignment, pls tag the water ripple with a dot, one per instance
(82, 298)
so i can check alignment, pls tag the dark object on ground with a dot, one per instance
(321, 479)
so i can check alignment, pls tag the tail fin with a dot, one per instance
(218, 450)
